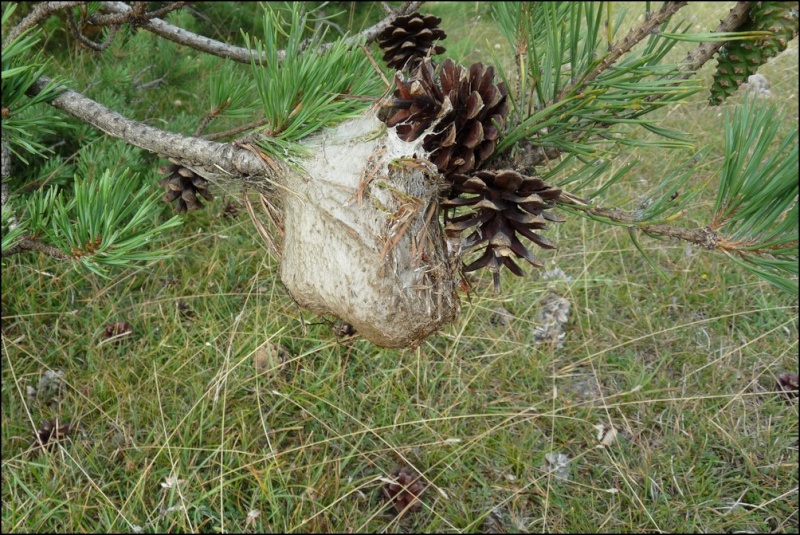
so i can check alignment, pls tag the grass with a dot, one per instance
(176, 430)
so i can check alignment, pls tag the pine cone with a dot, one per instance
(185, 185)
(405, 492)
(419, 102)
(50, 433)
(789, 384)
(343, 329)
(738, 60)
(410, 38)
(118, 331)
(470, 108)
(467, 135)
(506, 203)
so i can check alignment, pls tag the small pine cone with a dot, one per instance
(50, 433)
(505, 204)
(118, 331)
(184, 185)
(406, 490)
(343, 329)
(410, 38)
(230, 211)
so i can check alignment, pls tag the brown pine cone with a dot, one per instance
(118, 331)
(410, 38)
(406, 490)
(505, 204)
(469, 107)
(467, 136)
(418, 101)
(789, 384)
(184, 185)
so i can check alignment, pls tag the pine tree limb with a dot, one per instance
(704, 237)
(699, 56)
(30, 244)
(236, 53)
(135, 15)
(40, 12)
(213, 160)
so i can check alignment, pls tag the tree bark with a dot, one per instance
(220, 161)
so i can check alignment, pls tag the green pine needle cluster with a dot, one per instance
(306, 90)
(104, 222)
(558, 102)
(756, 209)
(20, 69)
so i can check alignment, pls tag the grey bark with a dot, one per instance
(217, 161)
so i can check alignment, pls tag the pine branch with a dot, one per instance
(536, 155)
(235, 53)
(42, 11)
(28, 243)
(77, 33)
(135, 15)
(704, 237)
(220, 160)
(238, 130)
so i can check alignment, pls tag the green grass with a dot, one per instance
(685, 370)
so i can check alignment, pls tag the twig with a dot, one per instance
(210, 116)
(159, 13)
(375, 66)
(704, 237)
(39, 13)
(151, 84)
(237, 130)
(134, 15)
(29, 244)
(77, 33)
